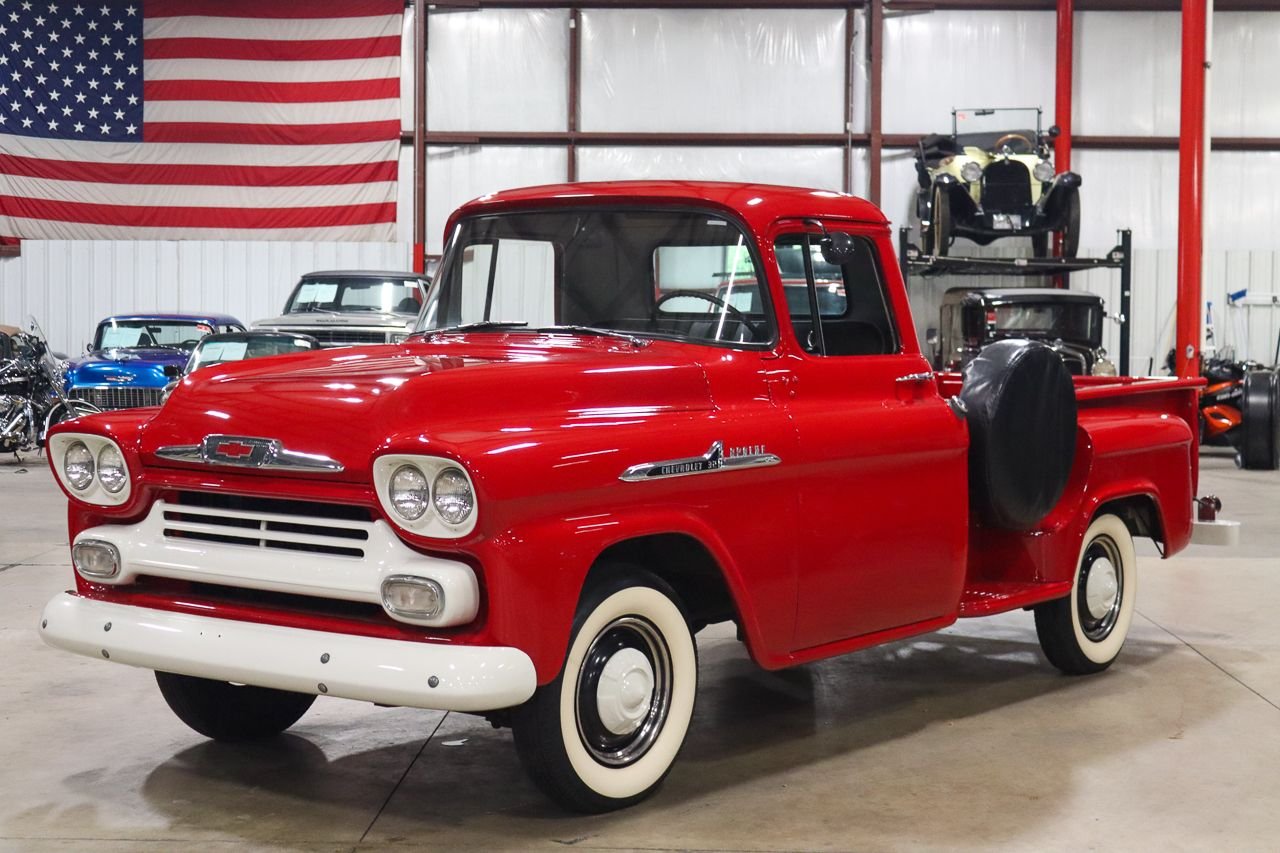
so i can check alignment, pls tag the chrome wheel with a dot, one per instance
(623, 691)
(1102, 581)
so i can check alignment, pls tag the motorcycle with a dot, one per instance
(1240, 408)
(31, 390)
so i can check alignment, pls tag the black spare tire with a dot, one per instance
(1260, 421)
(1022, 432)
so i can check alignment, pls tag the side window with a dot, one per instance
(853, 309)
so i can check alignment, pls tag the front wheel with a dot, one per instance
(225, 711)
(604, 733)
(1083, 633)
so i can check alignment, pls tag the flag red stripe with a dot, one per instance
(272, 134)
(270, 50)
(192, 175)
(261, 9)
(197, 217)
(275, 93)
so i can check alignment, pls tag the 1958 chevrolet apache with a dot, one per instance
(592, 448)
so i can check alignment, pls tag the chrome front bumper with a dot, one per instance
(389, 672)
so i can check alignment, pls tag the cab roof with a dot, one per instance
(757, 204)
(212, 319)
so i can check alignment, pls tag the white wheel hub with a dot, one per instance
(625, 691)
(1101, 588)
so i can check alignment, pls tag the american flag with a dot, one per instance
(199, 119)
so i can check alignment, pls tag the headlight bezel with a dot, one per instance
(1043, 171)
(102, 468)
(431, 524)
(96, 492)
(410, 470)
(971, 172)
(77, 484)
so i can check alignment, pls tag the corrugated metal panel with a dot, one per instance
(70, 285)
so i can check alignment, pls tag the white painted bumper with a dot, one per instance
(1221, 532)
(390, 672)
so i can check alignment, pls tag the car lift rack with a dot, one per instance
(915, 262)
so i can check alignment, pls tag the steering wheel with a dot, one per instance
(1011, 137)
(189, 343)
(714, 300)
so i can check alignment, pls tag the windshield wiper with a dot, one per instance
(634, 340)
(480, 325)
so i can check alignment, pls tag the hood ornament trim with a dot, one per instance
(715, 459)
(242, 451)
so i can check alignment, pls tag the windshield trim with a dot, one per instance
(751, 242)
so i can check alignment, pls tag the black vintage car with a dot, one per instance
(992, 177)
(1069, 321)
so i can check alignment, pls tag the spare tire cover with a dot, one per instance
(1022, 432)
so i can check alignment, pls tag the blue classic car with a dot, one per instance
(134, 356)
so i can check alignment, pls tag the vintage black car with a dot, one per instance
(984, 181)
(1069, 321)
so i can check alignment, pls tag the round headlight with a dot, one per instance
(1043, 171)
(77, 465)
(408, 492)
(454, 499)
(111, 471)
(971, 171)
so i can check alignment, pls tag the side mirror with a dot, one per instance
(88, 347)
(172, 371)
(837, 248)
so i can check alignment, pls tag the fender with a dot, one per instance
(1052, 201)
(534, 609)
(956, 190)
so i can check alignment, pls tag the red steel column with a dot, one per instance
(1062, 106)
(419, 136)
(1191, 152)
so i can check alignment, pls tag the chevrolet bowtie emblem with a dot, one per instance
(243, 451)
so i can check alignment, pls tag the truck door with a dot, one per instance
(881, 462)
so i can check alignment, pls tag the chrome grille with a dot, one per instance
(118, 398)
(343, 337)
(339, 531)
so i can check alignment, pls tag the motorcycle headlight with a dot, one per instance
(971, 171)
(1043, 171)
(111, 471)
(77, 466)
(408, 492)
(452, 496)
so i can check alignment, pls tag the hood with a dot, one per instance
(320, 319)
(132, 366)
(452, 392)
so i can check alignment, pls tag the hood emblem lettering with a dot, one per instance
(715, 459)
(240, 451)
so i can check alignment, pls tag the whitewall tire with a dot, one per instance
(1084, 632)
(605, 733)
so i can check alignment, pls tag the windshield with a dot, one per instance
(1019, 129)
(1074, 323)
(220, 349)
(652, 273)
(387, 296)
(149, 333)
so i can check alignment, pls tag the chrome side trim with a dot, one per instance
(257, 453)
(708, 463)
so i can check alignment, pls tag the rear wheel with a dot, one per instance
(1260, 421)
(1084, 632)
(1071, 226)
(604, 734)
(941, 222)
(225, 711)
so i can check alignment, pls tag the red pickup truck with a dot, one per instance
(589, 451)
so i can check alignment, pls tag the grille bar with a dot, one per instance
(250, 528)
(109, 398)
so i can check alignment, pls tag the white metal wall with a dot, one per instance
(754, 70)
(68, 286)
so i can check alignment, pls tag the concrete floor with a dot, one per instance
(965, 739)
